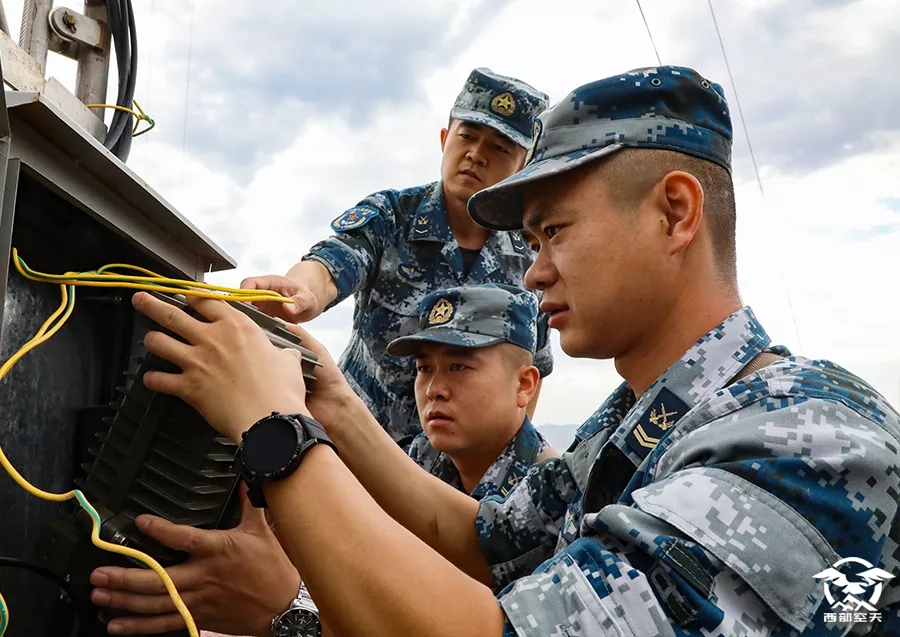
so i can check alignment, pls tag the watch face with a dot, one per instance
(271, 445)
(298, 622)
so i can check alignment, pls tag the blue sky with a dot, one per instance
(290, 112)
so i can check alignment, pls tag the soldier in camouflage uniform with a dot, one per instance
(723, 489)
(707, 501)
(474, 378)
(396, 246)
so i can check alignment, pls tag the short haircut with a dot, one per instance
(630, 174)
(515, 357)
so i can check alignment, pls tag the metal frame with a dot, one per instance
(92, 76)
(9, 179)
(83, 37)
(76, 166)
(35, 34)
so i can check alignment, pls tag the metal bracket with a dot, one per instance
(70, 31)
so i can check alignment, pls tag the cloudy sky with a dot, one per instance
(274, 117)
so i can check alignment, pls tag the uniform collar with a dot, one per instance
(430, 221)
(509, 467)
(705, 368)
(513, 462)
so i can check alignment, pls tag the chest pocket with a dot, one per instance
(404, 277)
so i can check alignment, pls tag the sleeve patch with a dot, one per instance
(354, 218)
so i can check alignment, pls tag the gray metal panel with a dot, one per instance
(7, 216)
(102, 186)
(9, 178)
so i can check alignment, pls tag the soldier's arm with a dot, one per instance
(318, 279)
(435, 512)
(352, 254)
(368, 574)
(432, 510)
(334, 268)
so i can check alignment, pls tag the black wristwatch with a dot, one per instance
(273, 448)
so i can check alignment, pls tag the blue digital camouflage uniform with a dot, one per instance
(708, 505)
(478, 316)
(396, 246)
(507, 470)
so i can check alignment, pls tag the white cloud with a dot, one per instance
(817, 251)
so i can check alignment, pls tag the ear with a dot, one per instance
(444, 133)
(679, 197)
(529, 377)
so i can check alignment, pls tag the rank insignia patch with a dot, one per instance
(664, 412)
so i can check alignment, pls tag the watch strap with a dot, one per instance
(302, 601)
(312, 434)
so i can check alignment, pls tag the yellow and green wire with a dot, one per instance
(105, 277)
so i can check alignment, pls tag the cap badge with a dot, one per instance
(441, 312)
(504, 104)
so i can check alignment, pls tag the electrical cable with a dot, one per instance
(124, 35)
(138, 115)
(103, 277)
(737, 101)
(82, 612)
(48, 329)
(187, 91)
(647, 26)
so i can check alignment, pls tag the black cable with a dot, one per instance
(123, 146)
(124, 34)
(115, 21)
(737, 100)
(13, 562)
(118, 24)
(647, 26)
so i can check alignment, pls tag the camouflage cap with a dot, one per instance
(666, 107)
(506, 104)
(473, 316)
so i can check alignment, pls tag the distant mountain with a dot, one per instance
(559, 436)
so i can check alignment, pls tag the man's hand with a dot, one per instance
(332, 397)
(231, 374)
(235, 581)
(304, 308)
(309, 284)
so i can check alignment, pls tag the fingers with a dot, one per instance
(138, 603)
(180, 537)
(300, 308)
(133, 580)
(303, 303)
(306, 338)
(166, 383)
(310, 343)
(145, 625)
(253, 520)
(168, 316)
(213, 310)
(304, 307)
(167, 347)
(270, 282)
